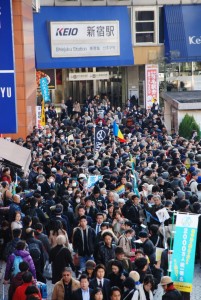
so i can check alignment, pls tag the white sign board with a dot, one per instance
(152, 85)
(88, 76)
(90, 38)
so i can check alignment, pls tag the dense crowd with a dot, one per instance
(99, 242)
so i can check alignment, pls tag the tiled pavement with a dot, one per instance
(195, 295)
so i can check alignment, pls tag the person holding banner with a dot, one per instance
(171, 293)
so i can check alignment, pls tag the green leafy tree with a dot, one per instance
(187, 126)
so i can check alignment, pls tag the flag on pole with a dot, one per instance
(117, 132)
(135, 185)
(42, 122)
(92, 180)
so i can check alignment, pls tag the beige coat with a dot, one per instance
(58, 291)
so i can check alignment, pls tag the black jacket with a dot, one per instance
(134, 214)
(78, 240)
(173, 295)
(106, 287)
(77, 295)
(105, 254)
(149, 250)
(60, 257)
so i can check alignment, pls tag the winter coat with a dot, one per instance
(126, 245)
(78, 240)
(26, 257)
(105, 254)
(60, 257)
(20, 292)
(149, 250)
(173, 295)
(58, 292)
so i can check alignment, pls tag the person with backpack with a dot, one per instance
(11, 246)
(37, 253)
(19, 255)
(17, 279)
(20, 291)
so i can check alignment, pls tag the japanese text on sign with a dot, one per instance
(90, 38)
(152, 85)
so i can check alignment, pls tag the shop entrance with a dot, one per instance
(111, 87)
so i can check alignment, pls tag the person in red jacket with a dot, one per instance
(20, 290)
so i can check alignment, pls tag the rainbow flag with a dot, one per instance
(117, 132)
(120, 190)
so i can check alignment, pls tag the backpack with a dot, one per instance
(35, 252)
(16, 262)
(42, 288)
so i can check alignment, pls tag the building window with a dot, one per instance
(145, 25)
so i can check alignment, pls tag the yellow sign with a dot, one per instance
(43, 114)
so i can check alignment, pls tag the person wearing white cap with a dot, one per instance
(170, 291)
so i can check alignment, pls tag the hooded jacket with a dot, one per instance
(25, 256)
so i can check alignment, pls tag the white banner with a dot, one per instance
(152, 85)
(88, 76)
(90, 38)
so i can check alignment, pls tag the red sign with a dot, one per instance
(152, 85)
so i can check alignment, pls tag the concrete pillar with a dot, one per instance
(167, 116)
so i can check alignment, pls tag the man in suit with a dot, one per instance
(99, 220)
(100, 281)
(84, 292)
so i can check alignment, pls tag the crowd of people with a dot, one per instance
(97, 242)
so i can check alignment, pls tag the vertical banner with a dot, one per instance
(184, 252)
(42, 121)
(38, 116)
(152, 85)
(44, 89)
(8, 121)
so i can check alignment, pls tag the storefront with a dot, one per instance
(90, 47)
(182, 47)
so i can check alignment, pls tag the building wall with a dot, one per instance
(148, 54)
(24, 66)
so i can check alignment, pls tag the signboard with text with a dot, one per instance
(88, 76)
(184, 252)
(88, 38)
(152, 85)
(8, 119)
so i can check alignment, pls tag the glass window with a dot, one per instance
(144, 26)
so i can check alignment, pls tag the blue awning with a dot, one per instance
(44, 59)
(182, 33)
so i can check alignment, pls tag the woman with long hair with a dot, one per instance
(56, 231)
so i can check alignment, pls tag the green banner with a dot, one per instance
(182, 267)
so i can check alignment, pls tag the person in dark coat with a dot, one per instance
(100, 281)
(84, 292)
(39, 263)
(129, 288)
(84, 240)
(170, 291)
(117, 276)
(147, 246)
(60, 257)
(106, 251)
